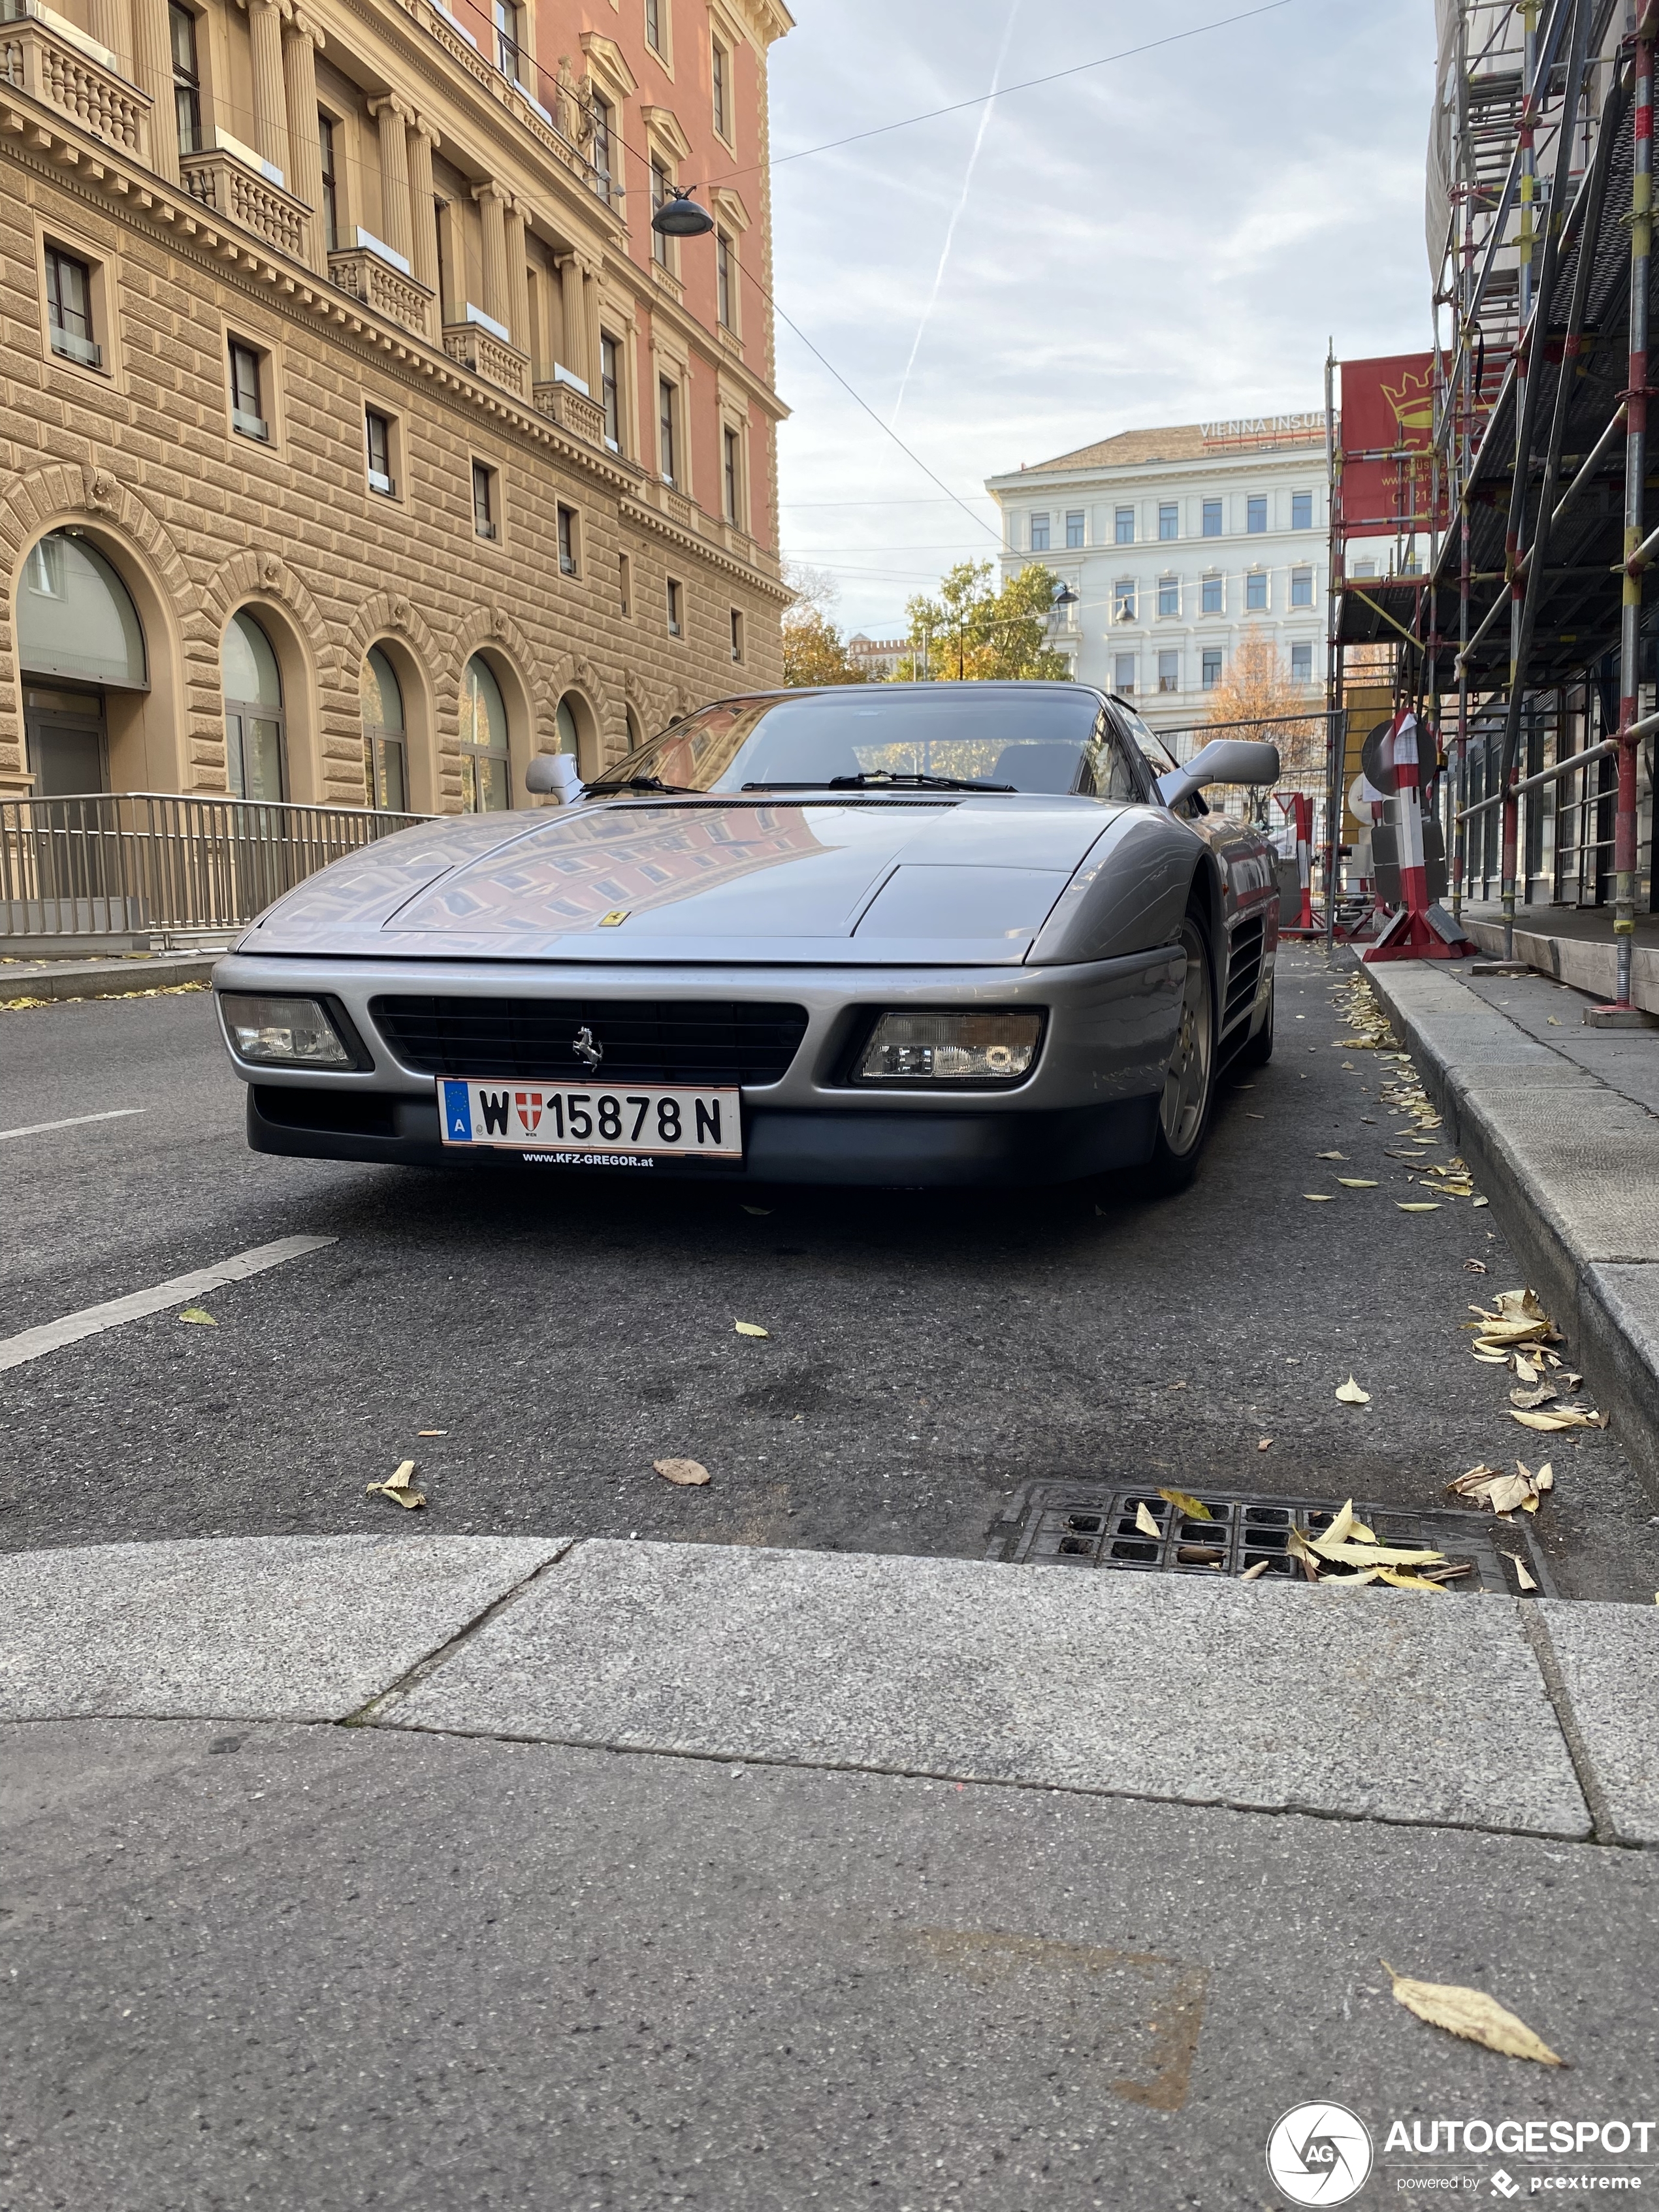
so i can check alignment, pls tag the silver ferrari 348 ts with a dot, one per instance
(896, 933)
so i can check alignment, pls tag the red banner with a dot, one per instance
(1387, 433)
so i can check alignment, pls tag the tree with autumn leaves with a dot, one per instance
(814, 651)
(973, 635)
(1256, 689)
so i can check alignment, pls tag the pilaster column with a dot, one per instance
(152, 65)
(573, 350)
(304, 148)
(264, 22)
(106, 21)
(492, 209)
(422, 203)
(394, 117)
(591, 324)
(517, 283)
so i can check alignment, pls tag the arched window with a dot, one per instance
(386, 768)
(485, 785)
(75, 618)
(565, 722)
(635, 740)
(255, 740)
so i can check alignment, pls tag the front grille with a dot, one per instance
(643, 1040)
(1244, 972)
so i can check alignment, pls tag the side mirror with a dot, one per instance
(1224, 760)
(555, 772)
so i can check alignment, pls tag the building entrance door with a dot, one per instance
(68, 752)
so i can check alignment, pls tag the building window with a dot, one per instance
(255, 740)
(676, 610)
(1301, 662)
(485, 785)
(1039, 533)
(1073, 529)
(1302, 587)
(567, 541)
(1256, 592)
(1255, 512)
(1211, 667)
(69, 309)
(565, 727)
(1364, 567)
(1168, 595)
(724, 298)
(720, 70)
(610, 390)
(1302, 510)
(1123, 674)
(1212, 518)
(1124, 526)
(603, 117)
(656, 12)
(378, 437)
(662, 192)
(484, 500)
(1169, 518)
(731, 472)
(385, 775)
(1211, 599)
(508, 55)
(186, 80)
(331, 183)
(667, 398)
(247, 414)
(1169, 671)
(1123, 599)
(737, 634)
(624, 585)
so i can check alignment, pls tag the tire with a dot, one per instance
(1187, 1106)
(1260, 1049)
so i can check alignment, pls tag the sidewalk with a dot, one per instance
(93, 978)
(411, 1870)
(1560, 1124)
(1573, 945)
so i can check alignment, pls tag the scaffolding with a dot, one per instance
(1523, 635)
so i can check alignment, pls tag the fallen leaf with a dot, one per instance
(1356, 1182)
(1489, 1358)
(1471, 2014)
(1524, 1369)
(1320, 1197)
(758, 1209)
(1523, 1574)
(1400, 1581)
(1481, 1201)
(1193, 1509)
(1416, 1205)
(1249, 1116)
(1559, 1418)
(1488, 1486)
(689, 1472)
(400, 1487)
(432, 1432)
(750, 1328)
(1553, 1022)
(1330, 1156)
(1375, 1555)
(1264, 1443)
(1343, 1530)
(1351, 1393)
(1254, 1574)
(1544, 1478)
(1529, 1400)
(1144, 1520)
(1475, 1267)
(198, 1314)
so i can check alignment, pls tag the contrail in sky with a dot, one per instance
(955, 214)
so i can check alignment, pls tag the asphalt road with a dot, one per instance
(928, 1353)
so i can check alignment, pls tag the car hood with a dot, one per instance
(936, 878)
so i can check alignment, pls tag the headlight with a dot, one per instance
(950, 1048)
(283, 1032)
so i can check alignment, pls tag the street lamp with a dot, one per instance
(681, 217)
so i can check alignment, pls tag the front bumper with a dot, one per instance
(1089, 1106)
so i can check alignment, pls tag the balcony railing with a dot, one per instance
(51, 61)
(478, 349)
(582, 416)
(402, 299)
(133, 864)
(239, 195)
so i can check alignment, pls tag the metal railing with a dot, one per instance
(124, 864)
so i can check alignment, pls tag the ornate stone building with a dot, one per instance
(361, 439)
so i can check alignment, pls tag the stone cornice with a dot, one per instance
(633, 510)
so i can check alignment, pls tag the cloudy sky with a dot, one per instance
(1170, 237)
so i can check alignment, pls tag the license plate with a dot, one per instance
(643, 1121)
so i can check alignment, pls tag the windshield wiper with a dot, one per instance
(884, 779)
(645, 783)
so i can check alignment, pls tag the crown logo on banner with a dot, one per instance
(1412, 402)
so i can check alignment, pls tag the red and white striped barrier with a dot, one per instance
(1418, 929)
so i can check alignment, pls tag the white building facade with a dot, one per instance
(1177, 542)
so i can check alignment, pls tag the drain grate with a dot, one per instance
(1088, 1524)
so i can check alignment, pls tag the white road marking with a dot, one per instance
(75, 1122)
(92, 1320)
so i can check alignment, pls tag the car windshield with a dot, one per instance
(1045, 740)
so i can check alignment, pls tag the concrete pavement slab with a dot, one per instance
(266, 1627)
(1608, 1655)
(315, 1970)
(1393, 1705)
